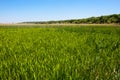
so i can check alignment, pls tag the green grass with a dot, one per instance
(60, 53)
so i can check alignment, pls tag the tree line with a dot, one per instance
(108, 19)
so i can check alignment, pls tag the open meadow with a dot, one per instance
(59, 52)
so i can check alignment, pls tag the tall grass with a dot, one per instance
(60, 53)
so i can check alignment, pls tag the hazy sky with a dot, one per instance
(42, 10)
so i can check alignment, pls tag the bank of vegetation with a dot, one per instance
(108, 19)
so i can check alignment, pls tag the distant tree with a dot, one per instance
(115, 18)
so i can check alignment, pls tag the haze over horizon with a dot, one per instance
(12, 11)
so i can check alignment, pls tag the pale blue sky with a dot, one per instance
(43, 10)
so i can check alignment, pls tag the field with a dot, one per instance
(59, 52)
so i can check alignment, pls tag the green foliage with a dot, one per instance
(110, 19)
(60, 53)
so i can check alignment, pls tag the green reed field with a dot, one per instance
(59, 53)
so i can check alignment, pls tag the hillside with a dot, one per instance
(108, 19)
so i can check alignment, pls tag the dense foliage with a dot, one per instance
(60, 53)
(115, 18)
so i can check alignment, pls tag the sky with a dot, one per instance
(13, 11)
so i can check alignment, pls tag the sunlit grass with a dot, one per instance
(43, 53)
